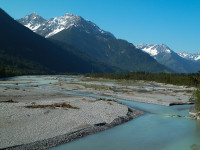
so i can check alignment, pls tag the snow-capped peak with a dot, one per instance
(154, 50)
(53, 26)
(58, 24)
(32, 21)
(32, 16)
(190, 56)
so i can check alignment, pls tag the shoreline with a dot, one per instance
(69, 137)
(194, 113)
(180, 103)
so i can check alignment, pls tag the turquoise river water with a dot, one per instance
(155, 130)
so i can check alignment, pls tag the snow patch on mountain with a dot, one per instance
(48, 28)
(54, 32)
(32, 21)
(151, 51)
(190, 56)
(30, 26)
(154, 50)
(197, 58)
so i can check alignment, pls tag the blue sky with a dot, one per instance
(172, 22)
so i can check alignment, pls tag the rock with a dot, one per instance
(180, 103)
(178, 116)
(194, 113)
(100, 124)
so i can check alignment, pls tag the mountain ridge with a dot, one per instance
(190, 56)
(164, 55)
(87, 37)
(24, 52)
(48, 28)
(32, 21)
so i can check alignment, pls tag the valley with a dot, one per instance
(82, 80)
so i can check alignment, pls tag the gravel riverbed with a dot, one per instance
(34, 118)
(36, 112)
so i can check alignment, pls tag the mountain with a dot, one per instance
(87, 37)
(48, 28)
(164, 55)
(24, 52)
(32, 21)
(155, 50)
(189, 56)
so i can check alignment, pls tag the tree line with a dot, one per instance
(192, 79)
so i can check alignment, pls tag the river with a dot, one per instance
(157, 129)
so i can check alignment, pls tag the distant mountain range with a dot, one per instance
(88, 38)
(189, 56)
(177, 62)
(24, 52)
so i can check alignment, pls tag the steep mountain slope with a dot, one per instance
(89, 38)
(24, 52)
(164, 55)
(189, 56)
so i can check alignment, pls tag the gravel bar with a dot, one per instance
(62, 139)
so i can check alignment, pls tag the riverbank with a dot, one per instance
(68, 137)
(45, 111)
(141, 91)
(33, 117)
(194, 113)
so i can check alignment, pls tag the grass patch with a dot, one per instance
(197, 99)
(189, 91)
(105, 87)
(9, 101)
(62, 105)
(108, 100)
(117, 81)
(11, 88)
(96, 79)
(97, 87)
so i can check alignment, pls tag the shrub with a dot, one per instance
(197, 99)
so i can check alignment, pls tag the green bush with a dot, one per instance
(197, 99)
